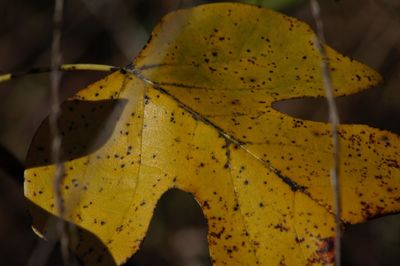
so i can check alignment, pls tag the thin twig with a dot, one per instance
(334, 119)
(55, 78)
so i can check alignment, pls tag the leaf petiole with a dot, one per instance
(65, 67)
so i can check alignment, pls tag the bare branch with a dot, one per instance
(334, 119)
(55, 78)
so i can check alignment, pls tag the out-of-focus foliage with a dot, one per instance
(276, 4)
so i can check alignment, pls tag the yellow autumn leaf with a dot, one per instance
(195, 113)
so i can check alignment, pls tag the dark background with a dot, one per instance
(113, 32)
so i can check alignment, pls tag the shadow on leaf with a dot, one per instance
(87, 247)
(85, 126)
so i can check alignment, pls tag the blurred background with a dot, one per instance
(113, 32)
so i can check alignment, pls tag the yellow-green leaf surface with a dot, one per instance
(196, 114)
